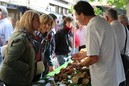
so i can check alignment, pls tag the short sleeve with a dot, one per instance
(92, 41)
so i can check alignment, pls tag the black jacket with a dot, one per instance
(63, 42)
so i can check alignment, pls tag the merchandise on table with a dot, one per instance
(66, 75)
(72, 75)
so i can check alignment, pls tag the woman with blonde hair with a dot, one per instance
(44, 39)
(19, 63)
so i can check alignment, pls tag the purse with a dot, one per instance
(40, 67)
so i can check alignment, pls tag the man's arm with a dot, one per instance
(87, 61)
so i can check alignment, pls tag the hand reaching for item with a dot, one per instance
(51, 68)
(78, 56)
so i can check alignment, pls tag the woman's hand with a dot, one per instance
(51, 68)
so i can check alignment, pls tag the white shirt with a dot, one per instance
(127, 45)
(101, 40)
(120, 33)
(6, 30)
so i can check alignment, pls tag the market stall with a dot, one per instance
(65, 75)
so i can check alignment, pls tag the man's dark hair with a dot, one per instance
(84, 7)
(53, 16)
(111, 13)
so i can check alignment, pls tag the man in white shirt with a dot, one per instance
(103, 54)
(6, 28)
(112, 17)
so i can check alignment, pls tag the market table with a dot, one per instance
(48, 79)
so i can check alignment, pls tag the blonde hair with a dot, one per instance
(17, 24)
(44, 19)
(25, 22)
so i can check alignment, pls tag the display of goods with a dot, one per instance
(72, 75)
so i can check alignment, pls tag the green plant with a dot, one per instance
(120, 4)
(98, 11)
(70, 10)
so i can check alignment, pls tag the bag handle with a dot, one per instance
(125, 40)
(38, 55)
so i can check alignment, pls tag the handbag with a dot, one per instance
(125, 58)
(40, 67)
(40, 56)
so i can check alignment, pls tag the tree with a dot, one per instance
(98, 11)
(71, 9)
(121, 4)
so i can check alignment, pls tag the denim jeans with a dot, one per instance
(62, 59)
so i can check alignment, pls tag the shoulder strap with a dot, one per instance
(38, 55)
(125, 39)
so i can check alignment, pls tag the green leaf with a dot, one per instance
(98, 11)
(120, 4)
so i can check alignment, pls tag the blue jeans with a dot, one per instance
(62, 59)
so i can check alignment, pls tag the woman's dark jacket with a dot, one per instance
(63, 42)
(46, 46)
(19, 63)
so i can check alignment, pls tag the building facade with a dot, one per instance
(17, 7)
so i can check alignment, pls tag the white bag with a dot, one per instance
(40, 67)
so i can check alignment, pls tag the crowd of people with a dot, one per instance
(35, 38)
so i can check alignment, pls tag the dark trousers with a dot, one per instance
(122, 84)
(7, 85)
(2, 83)
(36, 78)
(125, 83)
(127, 79)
